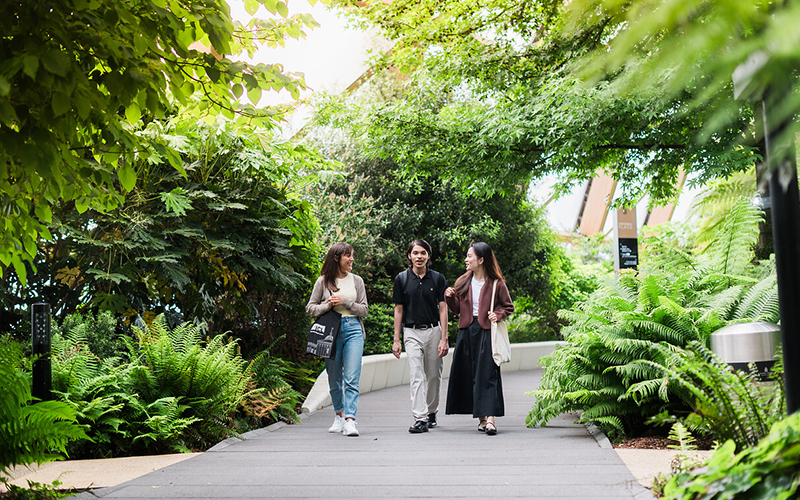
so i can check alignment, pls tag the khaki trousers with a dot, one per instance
(425, 369)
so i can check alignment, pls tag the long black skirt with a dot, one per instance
(475, 386)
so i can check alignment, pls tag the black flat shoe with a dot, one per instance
(431, 420)
(419, 426)
(482, 426)
(490, 431)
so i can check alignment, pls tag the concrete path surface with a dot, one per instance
(560, 461)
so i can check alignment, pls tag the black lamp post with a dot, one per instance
(757, 80)
(40, 340)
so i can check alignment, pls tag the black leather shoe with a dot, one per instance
(418, 427)
(431, 420)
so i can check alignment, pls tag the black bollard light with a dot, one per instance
(40, 337)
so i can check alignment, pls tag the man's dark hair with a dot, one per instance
(424, 244)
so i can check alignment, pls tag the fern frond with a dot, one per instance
(731, 250)
(760, 301)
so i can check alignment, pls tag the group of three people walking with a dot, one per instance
(421, 297)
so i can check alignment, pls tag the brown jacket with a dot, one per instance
(503, 306)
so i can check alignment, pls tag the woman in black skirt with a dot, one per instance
(475, 386)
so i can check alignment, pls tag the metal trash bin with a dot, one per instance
(744, 343)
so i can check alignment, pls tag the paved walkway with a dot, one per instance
(562, 460)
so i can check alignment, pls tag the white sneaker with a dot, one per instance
(338, 424)
(350, 428)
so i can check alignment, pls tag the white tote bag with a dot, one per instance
(501, 347)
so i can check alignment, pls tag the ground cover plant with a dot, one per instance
(770, 469)
(172, 391)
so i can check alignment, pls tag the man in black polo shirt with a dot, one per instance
(420, 313)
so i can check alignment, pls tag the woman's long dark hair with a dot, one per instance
(484, 251)
(330, 266)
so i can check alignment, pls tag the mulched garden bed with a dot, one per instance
(659, 443)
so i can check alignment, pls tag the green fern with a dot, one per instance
(718, 199)
(760, 302)
(728, 402)
(731, 249)
(209, 377)
(623, 334)
(30, 433)
(682, 436)
(164, 424)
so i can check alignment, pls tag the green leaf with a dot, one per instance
(251, 6)
(19, 267)
(83, 106)
(133, 113)
(6, 258)
(271, 5)
(238, 90)
(61, 104)
(174, 159)
(43, 211)
(107, 276)
(127, 177)
(56, 62)
(30, 247)
(213, 73)
(5, 86)
(7, 113)
(30, 65)
(82, 204)
(282, 9)
(176, 201)
(254, 95)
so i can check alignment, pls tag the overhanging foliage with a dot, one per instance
(78, 77)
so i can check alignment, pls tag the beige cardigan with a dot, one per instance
(318, 303)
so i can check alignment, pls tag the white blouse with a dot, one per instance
(476, 292)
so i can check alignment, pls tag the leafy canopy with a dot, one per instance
(78, 77)
(695, 47)
(492, 98)
(212, 245)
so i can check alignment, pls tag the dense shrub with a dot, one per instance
(226, 243)
(380, 329)
(103, 336)
(726, 403)
(770, 469)
(676, 298)
(172, 391)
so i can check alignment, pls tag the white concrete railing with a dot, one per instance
(384, 370)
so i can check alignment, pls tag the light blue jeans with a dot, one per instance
(344, 372)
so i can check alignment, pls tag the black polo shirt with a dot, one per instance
(420, 298)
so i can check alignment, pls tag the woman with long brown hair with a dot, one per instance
(339, 289)
(475, 386)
